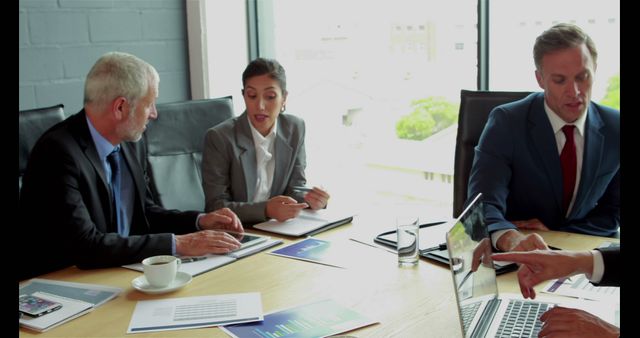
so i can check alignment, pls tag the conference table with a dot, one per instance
(406, 302)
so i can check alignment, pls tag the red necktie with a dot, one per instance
(569, 163)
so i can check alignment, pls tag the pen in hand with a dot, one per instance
(301, 188)
(192, 259)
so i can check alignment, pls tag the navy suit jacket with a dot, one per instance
(612, 267)
(66, 210)
(517, 168)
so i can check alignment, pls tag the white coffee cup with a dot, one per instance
(160, 271)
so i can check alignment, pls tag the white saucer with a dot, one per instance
(141, 284)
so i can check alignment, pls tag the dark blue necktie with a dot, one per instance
(114, 162)
(568, 161)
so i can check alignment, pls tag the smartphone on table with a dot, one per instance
(35, 306)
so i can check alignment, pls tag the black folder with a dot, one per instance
(437, 253)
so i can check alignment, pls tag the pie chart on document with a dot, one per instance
(141, 284)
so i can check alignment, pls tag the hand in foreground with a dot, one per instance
(542, 265)
(283, 208)
(565, 322)
(514, 240)
(205, 242)
(481, 254)
(221, 219)
(317, 198)
(530, 224)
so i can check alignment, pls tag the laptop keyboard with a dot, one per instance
(468, 311)
(521, 319)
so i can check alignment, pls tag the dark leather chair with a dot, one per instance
(174, 149)
(32, 124)
(475, 107)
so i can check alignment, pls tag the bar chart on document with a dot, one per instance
(318, 319)
(222, 308)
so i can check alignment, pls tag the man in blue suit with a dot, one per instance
(521, 164)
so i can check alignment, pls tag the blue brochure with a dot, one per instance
(312, 250)
(319, 319)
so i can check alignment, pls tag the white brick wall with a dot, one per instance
(59, 40)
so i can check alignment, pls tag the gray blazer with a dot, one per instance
(229, 166)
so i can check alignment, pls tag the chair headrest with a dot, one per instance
(32, 124)
(181, 126)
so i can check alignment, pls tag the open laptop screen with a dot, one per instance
(468, 240)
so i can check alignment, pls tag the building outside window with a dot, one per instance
(378, 82)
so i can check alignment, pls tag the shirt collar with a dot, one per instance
(557, 123)
(103, 146)
(258, 138)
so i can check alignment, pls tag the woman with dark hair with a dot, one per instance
(254, 163)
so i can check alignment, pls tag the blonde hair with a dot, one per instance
(562, 36)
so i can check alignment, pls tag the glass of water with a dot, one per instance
(408, 242)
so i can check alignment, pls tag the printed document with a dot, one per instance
(319, 319)
(313, 250)
(579, 287)
(195, 312)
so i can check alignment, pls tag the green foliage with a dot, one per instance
(429, 116)
(612, 98)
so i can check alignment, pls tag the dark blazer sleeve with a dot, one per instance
(491, 171)
(66, 211)
(612, 267)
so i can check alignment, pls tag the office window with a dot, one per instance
(378, 84)
(514, 25)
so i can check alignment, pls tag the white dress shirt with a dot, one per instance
(598, 267)
(578, 137)
(265, 162)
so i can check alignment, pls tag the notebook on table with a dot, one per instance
(251, 244)
(76, 299)
(308, 222)
(482, 311)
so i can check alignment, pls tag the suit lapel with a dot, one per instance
(283, 153)
(90, 152)
(131, 154)
(134, 168)
(247, 154)
(544, 141)
(592, 156)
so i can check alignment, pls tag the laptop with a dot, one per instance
(482, 311)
